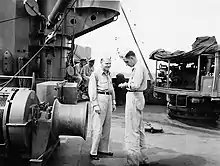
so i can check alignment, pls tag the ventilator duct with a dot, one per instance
(90, 15)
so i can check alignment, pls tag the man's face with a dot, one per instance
(91, 63)
(83, 62)
(129, 61)
(106, 64)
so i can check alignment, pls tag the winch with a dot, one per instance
(30, 128)
(38, 97)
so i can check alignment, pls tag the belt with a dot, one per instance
(135, 91)
(104, 93)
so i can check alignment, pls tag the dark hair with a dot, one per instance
(82, 59)
(130, 54)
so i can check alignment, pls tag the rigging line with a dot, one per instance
(36, 12)
(149, 73)
(23, 67)
(3, 83)
(65, 16)
(11, 19)
(35, 53)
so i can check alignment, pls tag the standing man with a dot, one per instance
(89, 68)
(135, 143)
(102, 97)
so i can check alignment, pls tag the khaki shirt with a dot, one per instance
(80, 69)
(100, 81)
(138, 78)
(88, 70)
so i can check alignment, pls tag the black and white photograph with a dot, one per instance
(109, 83)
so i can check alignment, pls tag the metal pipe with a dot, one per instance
(168, 74)
(20, 77)
(58, 9)
(18, 124)
(208, 64)
(156, 73)
(216, 75)
(198, 72)
(149, 73)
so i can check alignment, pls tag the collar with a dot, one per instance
(135, 66)
(103, 72)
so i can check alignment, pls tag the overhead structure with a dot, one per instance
(38, 102)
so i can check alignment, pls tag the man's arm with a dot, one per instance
(77, 68)
(113, 100)
(136, 81)
(113, 96)
(83, 74)
(92, 90)
(86, 70)
(113, 92)
(76, 71)
(83, 71)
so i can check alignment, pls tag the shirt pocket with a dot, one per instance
(103, 83)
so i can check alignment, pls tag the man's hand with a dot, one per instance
(113, 108)
(97, 109)
(120, 85)
(123, 85)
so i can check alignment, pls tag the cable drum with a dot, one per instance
(3, 99)
(15, 113)
(19, 132)
(1, 130)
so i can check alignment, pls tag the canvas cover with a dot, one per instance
(202, 45)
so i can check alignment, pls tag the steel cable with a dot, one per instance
(149, 73)
(37, 51)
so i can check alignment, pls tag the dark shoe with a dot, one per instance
(146, 164)
(106, 153)
(94, 157)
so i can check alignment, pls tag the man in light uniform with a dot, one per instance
(80, 67)
(73, 75)
(135, 143)
(89, 68)
(102, 97)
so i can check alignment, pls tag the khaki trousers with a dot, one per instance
(101, 124)
(135, 141)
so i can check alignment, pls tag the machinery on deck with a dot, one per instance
(190, 80)
(36, 103)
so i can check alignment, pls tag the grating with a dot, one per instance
(3, 100)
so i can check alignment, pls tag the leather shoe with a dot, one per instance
(144, 164)
(94, 157)
(106, 153)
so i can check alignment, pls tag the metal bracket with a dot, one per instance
(41, 160)
(18, 124)
(4, 144)
(181, 105)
